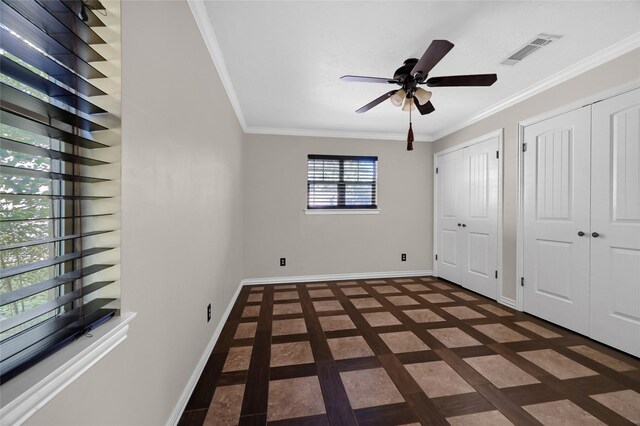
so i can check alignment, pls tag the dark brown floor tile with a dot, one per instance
(463, 404)
(393, 414)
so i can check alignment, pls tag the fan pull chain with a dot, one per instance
(410, 134)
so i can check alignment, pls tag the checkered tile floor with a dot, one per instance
(404, 351)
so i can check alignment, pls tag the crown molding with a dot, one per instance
(590, 62)
(332, 134)
(199, 11)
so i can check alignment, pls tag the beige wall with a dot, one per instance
(276, 225)
(624, 69)
(181, 222)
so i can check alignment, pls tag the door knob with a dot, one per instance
(580, 234)
(464, 225)
(459, 224)
(595, 235)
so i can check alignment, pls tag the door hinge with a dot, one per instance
(524, 147)
(522, 281)
(436, 257)
(497, 154)
(436, 170)
(496, 274)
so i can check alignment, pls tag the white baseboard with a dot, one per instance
(335, 277)
(508, 302)
(193, 380)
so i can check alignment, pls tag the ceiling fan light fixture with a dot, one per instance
(423, 95)
(408, 105)
(398, 98)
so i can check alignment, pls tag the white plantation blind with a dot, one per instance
(341, 182)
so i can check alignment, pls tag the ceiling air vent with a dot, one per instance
(540, 41)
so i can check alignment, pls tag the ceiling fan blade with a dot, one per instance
(463, 80)
(427, 108)
(376, 101)
(363, 79)
(434, 53)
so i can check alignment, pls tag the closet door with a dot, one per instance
(615, 222)
(450, 247)
(480, 217)
(556, 212)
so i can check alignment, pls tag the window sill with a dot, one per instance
(339, 211)
(25, 394)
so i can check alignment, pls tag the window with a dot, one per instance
(57, 275)
(341, 182)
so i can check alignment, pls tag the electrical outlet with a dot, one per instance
(404, 257)
(209, 312)
(283, 261)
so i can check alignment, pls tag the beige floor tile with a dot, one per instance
(403, 280)
(225, 406)
(557, 364)
(238, 359)
(495, 310)
(347, 283)
(370, 388)
(486, 418)
(442, 286)
(316, 294)
(402, 300)
(501, 372)
(376, 282)
(336, 322)
(539, 330)
(464, 296)
(426, 279)
(349, 347)
(293, 398)
(285, 295)
(453, 337)
(380, 319)
(603, 359)
(423, 315)
(366, 302)
(436, 298)
(285, 287)
(251, 311)
(561, 413)
(289, 326)
(246, 330)
(463, 312)
(287, 308)
(318, 285)
(354, 291)
(257, 288)
(254, 297)
(624, 402)
(438, 379)
(404, 341)
(500, 333)
(327, 305)
(386, 289)
(416, 287)
(291, 354)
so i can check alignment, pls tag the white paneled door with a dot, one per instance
(480, 218)
(450, 201)
(615, 222)
(556, 219)
(467, 216)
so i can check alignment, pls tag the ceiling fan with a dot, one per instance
(415, 72)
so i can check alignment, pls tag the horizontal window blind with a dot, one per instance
(341, 182)
(57, 278)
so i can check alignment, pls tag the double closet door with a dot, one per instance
(581, 221)
(467, 216)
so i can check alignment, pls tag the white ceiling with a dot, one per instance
(281, 60)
